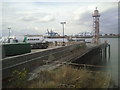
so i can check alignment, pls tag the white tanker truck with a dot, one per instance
(37, 42)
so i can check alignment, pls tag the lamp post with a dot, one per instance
(63, 30)
(9, 31)
(9, 35)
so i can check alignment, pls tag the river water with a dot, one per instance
(113, 64)
(113, 58)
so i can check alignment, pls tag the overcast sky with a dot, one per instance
(37, 17)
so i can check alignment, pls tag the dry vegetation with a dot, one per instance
(65, 77)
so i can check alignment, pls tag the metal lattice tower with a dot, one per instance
(96, 16)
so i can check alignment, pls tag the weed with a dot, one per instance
(18, 79)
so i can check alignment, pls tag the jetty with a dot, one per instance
(51, 58)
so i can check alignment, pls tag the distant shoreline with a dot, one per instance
(81, 37)
(99, 37)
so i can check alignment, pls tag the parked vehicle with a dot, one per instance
(35, 42)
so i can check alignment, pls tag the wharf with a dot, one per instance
(51, 57)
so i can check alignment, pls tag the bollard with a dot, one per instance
(105, 52)
(109, 51)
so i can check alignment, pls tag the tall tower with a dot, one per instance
(96, 16)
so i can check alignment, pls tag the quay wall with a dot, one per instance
(30, 61)
(96, 55)
(76, 53)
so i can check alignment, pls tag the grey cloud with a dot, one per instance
(47, 19)
(109, 21)
(27, 18)
(86, 19)
(84, 22)
(38, 18)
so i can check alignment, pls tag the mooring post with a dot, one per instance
(109, 50)
(105, 52)
(104, 56)
(101, 56)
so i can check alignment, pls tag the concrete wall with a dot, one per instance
(31, 61)
(94, 56)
